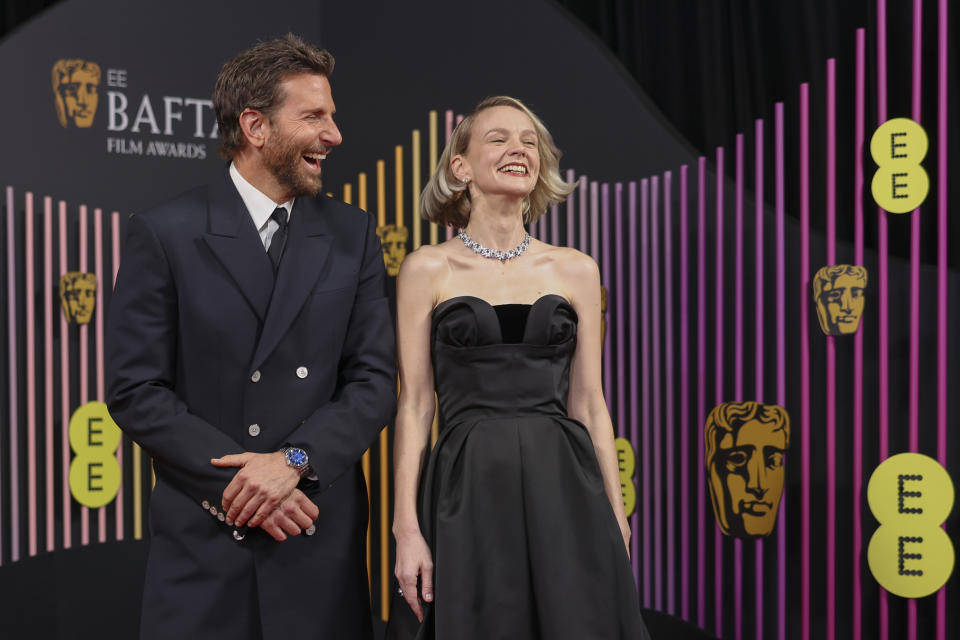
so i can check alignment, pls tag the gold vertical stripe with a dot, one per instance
(362, 191)
(415, 187)
(381, 193)
(398, 182)
(348, 193)
(153, 478)
(384, 486)
(432, 151)
(365, 462)
(137, 492)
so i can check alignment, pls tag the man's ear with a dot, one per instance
(255, 126)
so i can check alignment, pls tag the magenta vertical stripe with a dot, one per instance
(12, 377)
(595, 221)
(115, 265)
(605, 273)
(780, 204)
(48, 467)
(29, 267)
(883, 322)
(858, 150)
(831, 372)
(942, 270)
(582, 238)
(701, 388)
(571, 210)
(618, 306)
(98, 315)
(634, 372)
(84, 363)
(758, 344)
(685, 427)
(738, 366)
(64, 388)
(718, 382)
(914, 383)
(804, 361)
(645, 360)
(668, 379)
(656, 426)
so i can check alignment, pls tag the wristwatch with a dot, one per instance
(296, 458)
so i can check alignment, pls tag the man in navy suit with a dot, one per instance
(251, 353)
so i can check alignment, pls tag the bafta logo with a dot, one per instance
(75, 90)
(78, 296)
(838, 293)
(745, 444)
(394, 241)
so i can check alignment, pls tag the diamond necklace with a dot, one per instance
(496, 254)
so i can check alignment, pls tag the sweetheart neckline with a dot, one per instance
(493, 306)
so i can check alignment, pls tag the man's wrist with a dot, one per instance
(297, 459)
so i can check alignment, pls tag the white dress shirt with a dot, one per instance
(260, 206)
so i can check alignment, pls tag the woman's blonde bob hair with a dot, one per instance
(446, 200)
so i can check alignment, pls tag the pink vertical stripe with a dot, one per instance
(595, 221)
(605, 274)
(584, 213)
(758, 344)
(98, 315)
(804, 293)
(942, 272)
(622, 289)
(31, 345)
(115, 263)
(718, 382)
(656, 426)
(12, 377)
(858, 150)
(883, 322)
(780, 204)
(645, 359)
(48, 371)
(668, 378)
(634, 370)
(84, 364)
(831, 366)
(701, 388)
(64, 389)
(686, 428)
(738, 366)
(914, 383)
(571, 210)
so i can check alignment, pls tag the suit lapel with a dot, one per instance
(237, 245)
(303, 259)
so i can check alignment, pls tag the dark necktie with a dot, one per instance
(279, 237)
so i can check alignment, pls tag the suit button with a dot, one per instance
(302, 372)
(256, 376)
(213, 511)
(221, 517)
(254, 430)
(312, 529)
(238, 536)
(205, 505)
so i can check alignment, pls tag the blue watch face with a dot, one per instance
(296, 457)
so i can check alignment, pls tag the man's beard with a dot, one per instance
(283, 158)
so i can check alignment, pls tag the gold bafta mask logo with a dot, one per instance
(76, 86)
(78, 296)
(838, 293)
(394, 241)
(744, 444)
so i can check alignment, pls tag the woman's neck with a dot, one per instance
(499, 227)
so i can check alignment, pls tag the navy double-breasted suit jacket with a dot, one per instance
(207, 355)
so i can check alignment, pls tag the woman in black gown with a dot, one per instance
(513, 527)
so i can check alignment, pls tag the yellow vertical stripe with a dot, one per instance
(384, 485)
(362, 191)
(348, 193)
(137, 492)
(415, 187)
(432, 151)
(381, 193)
(398, 182)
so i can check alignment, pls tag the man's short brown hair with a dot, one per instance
(251, 80)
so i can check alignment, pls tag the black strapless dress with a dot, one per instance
(525, 544)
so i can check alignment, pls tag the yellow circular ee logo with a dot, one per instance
(94, 472)
(627, 461)
(900, 183)
(911, 495)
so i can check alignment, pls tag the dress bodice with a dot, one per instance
(479, 374)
